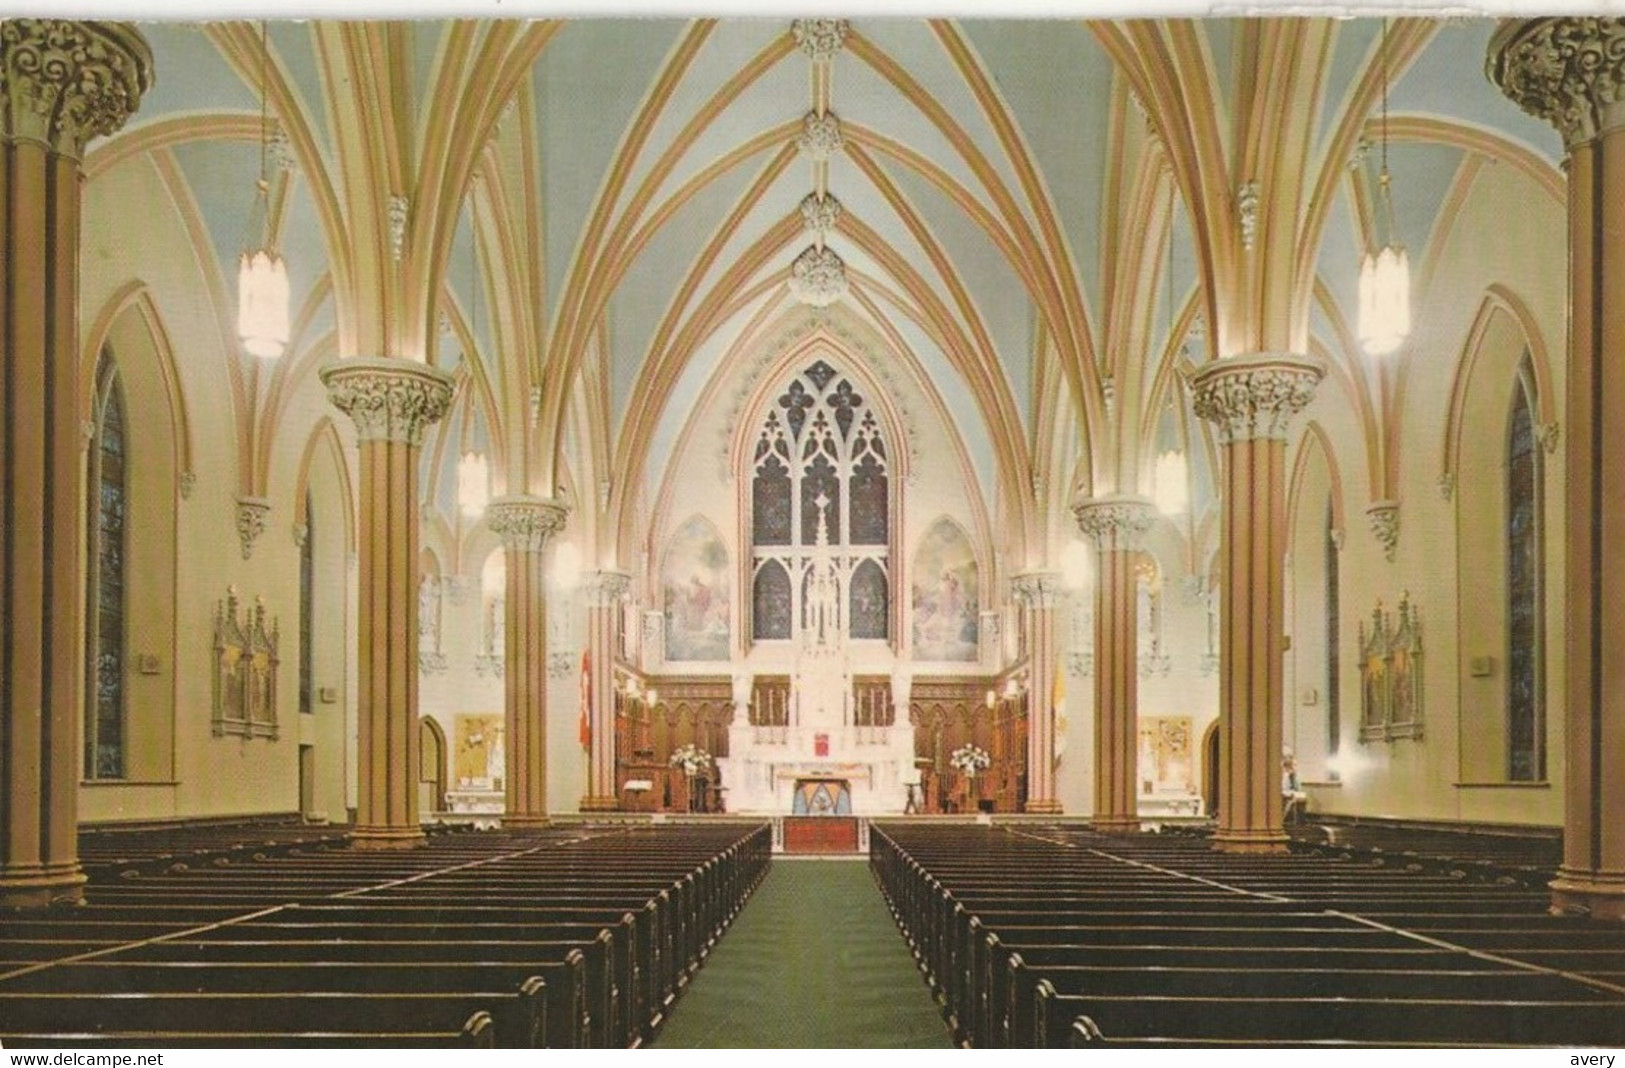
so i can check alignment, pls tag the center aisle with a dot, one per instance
(814, 960)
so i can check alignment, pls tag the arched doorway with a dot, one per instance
(431, 766)
(1210, 770)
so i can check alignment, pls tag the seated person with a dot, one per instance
(1291, 792)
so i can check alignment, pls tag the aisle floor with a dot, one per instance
(814, 961)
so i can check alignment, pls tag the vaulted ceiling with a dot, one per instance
(625, 192)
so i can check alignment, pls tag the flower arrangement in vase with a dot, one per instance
(970, 759)
(690, 758)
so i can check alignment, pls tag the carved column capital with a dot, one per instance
(605, 588)
(63, 82)
(1115, 522)
(1037, 589)
(524, 522)
(388, 399)
(1569, 71)
(1255, 396)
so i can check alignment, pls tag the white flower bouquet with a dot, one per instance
(690, 758)
(970, 759)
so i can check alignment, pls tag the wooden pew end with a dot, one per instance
(1085, 1033)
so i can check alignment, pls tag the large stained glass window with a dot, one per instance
(108, 513)
(307, 588)
(1334, 640)
(820, 441)
(1526, 711)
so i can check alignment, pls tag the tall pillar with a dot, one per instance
(524, 524)
(390, 401)
(61, 83)
(1252, 400)
(1038, 591)
(1571, 72)
(1116, 524)
(605, 591)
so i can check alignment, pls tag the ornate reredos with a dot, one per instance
(245, 672)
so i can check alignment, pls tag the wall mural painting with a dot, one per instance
(481, 753)
(1165, 755)
(695, 581)
(945, 595)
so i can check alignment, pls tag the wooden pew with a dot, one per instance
(1294, 931)
(518, 1016)
(599, 932)
(1388, 1021)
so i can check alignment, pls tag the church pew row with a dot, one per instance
(348, 1019)
(1528, 855)
(583, 943)
(1299, 1020)
(1505, 920)
(992, 917)
(112, 850)
(477, 1032)
(695, 892)
(1153, 930)
(1525, 860)
(674, 933)
(1477, 920)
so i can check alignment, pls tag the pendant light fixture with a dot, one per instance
(262, 275)
(473, 484)
(1385, 275)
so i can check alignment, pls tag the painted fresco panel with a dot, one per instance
(945, 595)
(695, 581)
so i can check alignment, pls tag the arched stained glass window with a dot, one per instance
(1526, 711)
(307, 589)
(870, 602)
(107, 527)
(770, 601)
(820, 440)
(1334, 714)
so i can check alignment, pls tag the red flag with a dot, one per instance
(586, 700)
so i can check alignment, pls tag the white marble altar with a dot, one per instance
(821, 739)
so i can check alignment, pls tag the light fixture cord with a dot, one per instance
(264, 111)
(1385, 95)
(1171, 208)
(1383, 181)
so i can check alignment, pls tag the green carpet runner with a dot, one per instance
(814, 960)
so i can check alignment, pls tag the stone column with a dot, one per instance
(61, 83)
(524, 524)
(1038, 592)
(1116, 524)
(1252, 400)
(1571, 72)
(390, 401)
(605, 591)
